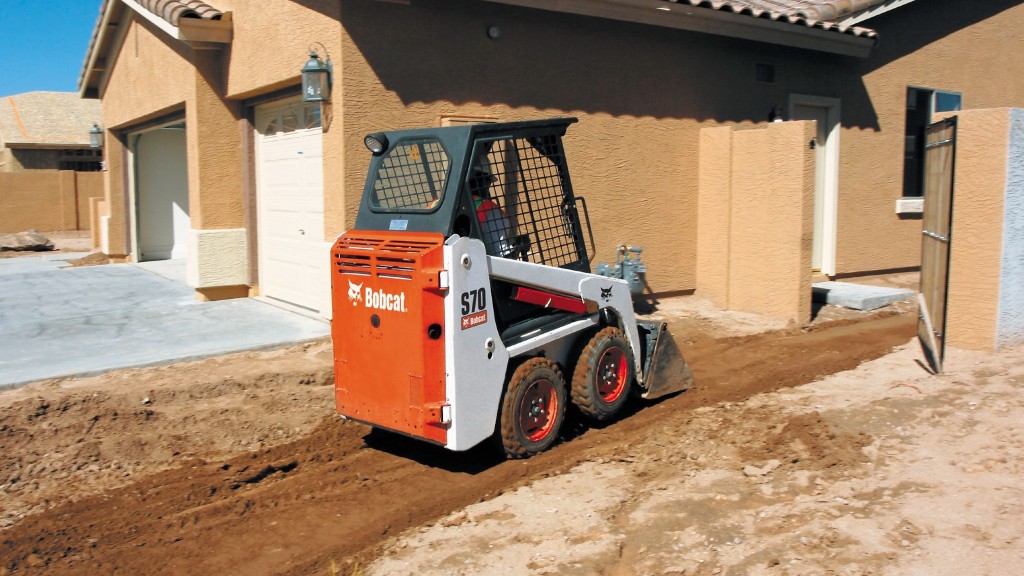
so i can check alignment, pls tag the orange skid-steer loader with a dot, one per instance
(464, 306)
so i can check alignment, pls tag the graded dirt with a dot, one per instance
(237, 464)
(825, 450)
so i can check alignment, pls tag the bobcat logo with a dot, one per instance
(606, 293)
(354, 294)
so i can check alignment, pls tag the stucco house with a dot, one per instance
(213, 157)
(47, 131)
(49, 173)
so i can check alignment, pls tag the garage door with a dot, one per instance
(161, 193)
(290, 203)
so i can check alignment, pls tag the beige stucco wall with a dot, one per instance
(149, 77)
(46, 200)
(756, 219)
(155, 77)
(979, 189)
(89, 186)
(642, 94)
(633, 154)
(920, 46)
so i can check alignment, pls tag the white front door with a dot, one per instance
(825, 111)
(290, 203)
(161, 193)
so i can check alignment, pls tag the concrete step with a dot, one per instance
(858, 296)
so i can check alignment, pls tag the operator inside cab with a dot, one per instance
(494, 225)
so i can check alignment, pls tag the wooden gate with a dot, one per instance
(939, 161)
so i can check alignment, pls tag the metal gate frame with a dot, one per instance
(939, 168)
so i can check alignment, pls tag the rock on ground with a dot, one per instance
(29, 240)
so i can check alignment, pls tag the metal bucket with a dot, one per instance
(665, 369)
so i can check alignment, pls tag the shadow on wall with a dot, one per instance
(438, 51)
(919, 24)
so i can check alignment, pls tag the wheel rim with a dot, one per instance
(537, 410)
(612, 372)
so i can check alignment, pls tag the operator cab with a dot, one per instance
(504, 184)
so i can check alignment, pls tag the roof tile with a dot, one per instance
(174, 10)
(810, 13)
(58, 118)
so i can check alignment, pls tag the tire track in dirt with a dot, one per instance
(338, 493)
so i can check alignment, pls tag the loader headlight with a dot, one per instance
(376, 143)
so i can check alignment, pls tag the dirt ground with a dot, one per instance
(827, 450)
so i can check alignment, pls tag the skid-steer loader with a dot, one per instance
(464, 306)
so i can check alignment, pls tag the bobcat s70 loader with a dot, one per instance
(464, 306)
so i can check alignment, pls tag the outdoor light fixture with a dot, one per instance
(376, 143)
(95, 136)
(316, 76)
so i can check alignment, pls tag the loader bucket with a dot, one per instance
(665, 369)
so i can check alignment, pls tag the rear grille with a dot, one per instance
(367, 254)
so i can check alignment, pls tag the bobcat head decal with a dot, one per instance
(606, 293)
(354, 293)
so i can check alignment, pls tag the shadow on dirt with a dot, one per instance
(480, 458)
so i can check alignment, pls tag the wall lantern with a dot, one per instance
(316, 76)
(95, 136)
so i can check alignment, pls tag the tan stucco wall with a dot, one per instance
(89, 186)
(642, 94)
(921, 47)
(756, 219)
(979, 189)
(155, 77)
(46, 200)
(270, 42)
(633, 154)
(149, 77)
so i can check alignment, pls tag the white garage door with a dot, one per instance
(161, 193)
(290, 200)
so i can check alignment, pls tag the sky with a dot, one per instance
(43, 43)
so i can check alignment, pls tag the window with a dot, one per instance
(81, 160)
(289, 118)
(922, 105)
(411, 177)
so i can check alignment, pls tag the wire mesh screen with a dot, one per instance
(412, 176)
(524, 208)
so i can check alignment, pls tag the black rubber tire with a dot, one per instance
(603, 378)
(534, 386)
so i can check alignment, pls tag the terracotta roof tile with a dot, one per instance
(58, 118)
(808, 13)
(174, 10)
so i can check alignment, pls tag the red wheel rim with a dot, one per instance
(537, 410)
(612, 372)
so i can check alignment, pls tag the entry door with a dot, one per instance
(290, 199)
(825, 112)
(161, 194)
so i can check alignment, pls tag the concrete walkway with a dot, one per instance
(58, 321)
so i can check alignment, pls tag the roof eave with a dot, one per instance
(94, 66)
(877, 10)
(684, 16)
(198, 33)
(189, 29)
(48, 145)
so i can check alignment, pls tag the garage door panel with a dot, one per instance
(291, 206)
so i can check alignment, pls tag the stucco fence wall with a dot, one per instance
(755, 219)
(47, 200)
(985, 305)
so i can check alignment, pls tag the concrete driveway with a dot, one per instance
(57, 320)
